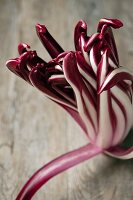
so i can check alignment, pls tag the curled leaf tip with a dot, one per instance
(115, 23)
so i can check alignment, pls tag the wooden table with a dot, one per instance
(33, 130)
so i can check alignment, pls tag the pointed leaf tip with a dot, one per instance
(12, 63)
(41, 28)
(50, 44)
(22, 47)
(82, 24)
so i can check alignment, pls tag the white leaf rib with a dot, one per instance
(120, 123)
(126, 103)
(113, 74)
(105, 130)
(91, 110)
(79, 90)
(92, 60)
(81, 109)
(85, 54)
(88, 77)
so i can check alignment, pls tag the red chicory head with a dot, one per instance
(89, 84)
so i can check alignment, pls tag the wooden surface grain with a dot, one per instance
(33, 130)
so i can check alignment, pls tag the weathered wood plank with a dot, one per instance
(33, 130)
